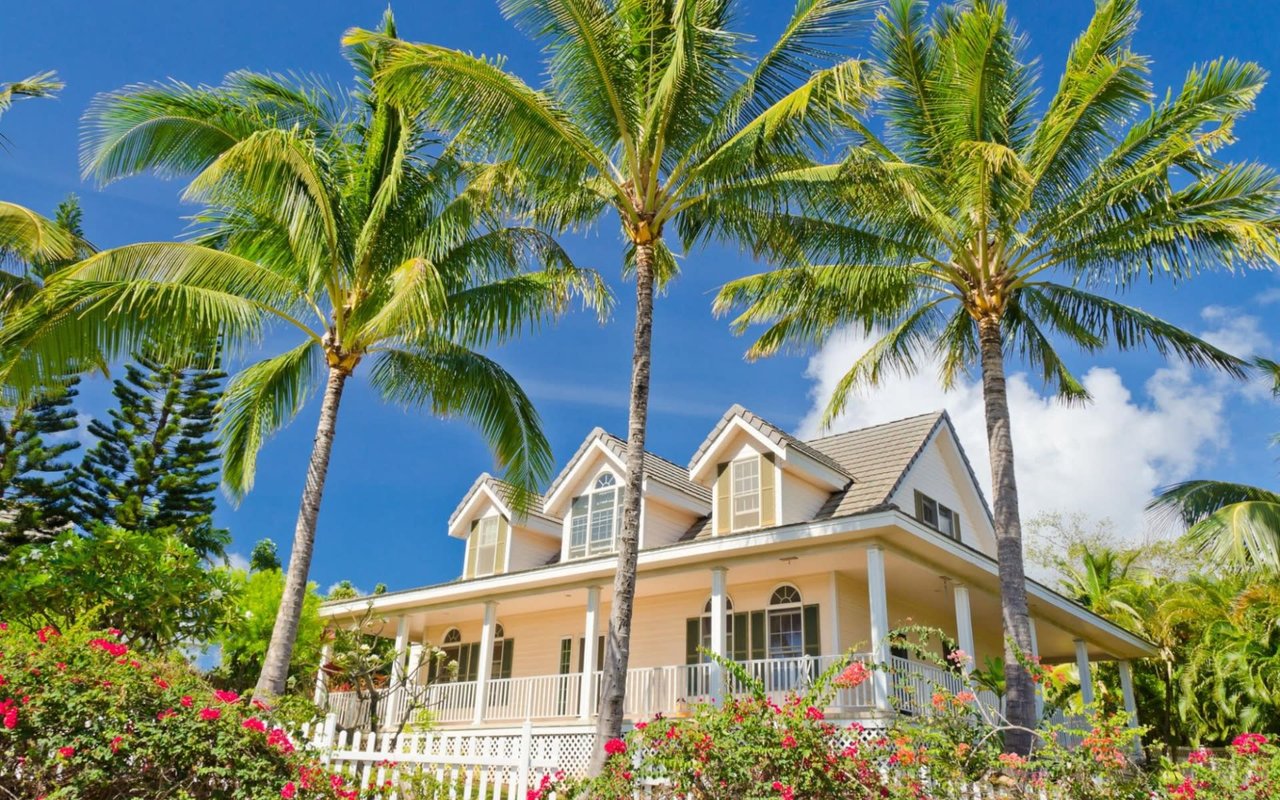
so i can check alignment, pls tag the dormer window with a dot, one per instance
(937, 516)
(593, 521)
(486, 546)
(746, 493)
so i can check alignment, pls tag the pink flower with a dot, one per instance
(209, 714)
(254, 724)
(813, 713)
(66, 752)
(615, 747)
(1248, 744)
(966, 697)
(957, 657)
(168, 712)
(258, 704)
(114, 648)
(854, 675)
(11, 718)
(641, 725)
(288, 790)
(46, 633)
(161, 682)
(788, 741)
(226, 697)
(280, 740)
(1198, 756)
(114, 632)
(186, 701)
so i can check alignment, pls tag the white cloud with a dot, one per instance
(238, 561)
(1103, 459)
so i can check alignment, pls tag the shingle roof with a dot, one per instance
(656, 467)
(878, 457)
(504, 491)
(772, 432)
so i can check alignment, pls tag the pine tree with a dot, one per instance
(264, 557)
(154, 464)
(35, 485)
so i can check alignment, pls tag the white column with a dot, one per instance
(322, 680)
(964, 627)
(486, 660)
(833, 618)
(587, 684)
(878, 601)
(413, 673)
(719, 610)
(1130, 703)
(1039, 686)
(402, 645)
(1086, 675)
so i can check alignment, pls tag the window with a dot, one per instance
(593, 519)
(746, 493)
(937, 516)
(499, 649)
(486, 546)
(467, 656)
(786, 623)
(705, 628)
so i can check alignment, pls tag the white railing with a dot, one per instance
(451, 702)
(914, 683)
(543, 697)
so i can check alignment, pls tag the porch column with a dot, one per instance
(964, 627)
(402, 645)
(1130, 703)
(1086, 675)
(719, 609)
(879, 605)
(486, 660)
(322, 680)
(413, 669)
(586, 686)
(1035, 656)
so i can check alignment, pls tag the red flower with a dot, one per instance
(1248, 744)
(168, 712)
(261, 706)
(288, 790)
(280, 740)
(615, 747)
(854, 675)
(114, 632)
(209, 714)
(186, 701)
(254, 724)
(46, 633)
(11, 718)
(788, 741)
(66, 752)
(1199, 756)
(813, 713)
(114, 648)
(161, 682)
(226, 697)
(115, 744)
(641, 725)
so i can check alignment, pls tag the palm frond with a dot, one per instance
(44, 84)
(27, 237)
(260, 400)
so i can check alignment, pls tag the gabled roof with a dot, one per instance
(772, 432)
(503, 492)
(656, 468)
(878, 457)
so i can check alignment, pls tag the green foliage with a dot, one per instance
(244, 638)
(35, 485)
(155, 587)
(263, 558)
(343, 590)
(153, 465)
(87, 717)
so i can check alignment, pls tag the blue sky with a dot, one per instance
(396, 475)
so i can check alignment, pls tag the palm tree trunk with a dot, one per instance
(275, 667)
(617, 648)
(1020, 706)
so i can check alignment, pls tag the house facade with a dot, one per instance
(786, 555)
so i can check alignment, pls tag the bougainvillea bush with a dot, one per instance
(1248, 770)
(83, 716)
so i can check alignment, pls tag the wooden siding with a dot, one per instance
(939, 473)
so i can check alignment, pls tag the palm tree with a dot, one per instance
(1235, 525)
(944, 233)
(329, 223)
(26, 237)
(655, 111)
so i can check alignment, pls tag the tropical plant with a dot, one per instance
(334, 222)
(982, 224)
(244, 638)
(45, 84)
(657, 112)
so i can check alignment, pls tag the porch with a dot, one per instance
(785, 613)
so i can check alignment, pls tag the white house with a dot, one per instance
(782, 554)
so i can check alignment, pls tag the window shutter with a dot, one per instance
(508, 647)
(500, 557)
(759, 642)
(919, 507)
(812, 633)
(600, 653)
(767, 492)
(692, 639)
(469, 564)
(582, 650)
(740, 637)
(724, 499)
(566, 655)
(955, 525)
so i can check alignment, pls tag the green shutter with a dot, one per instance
(759, 641)
(919, 507)
(812, 633)
(692, 639)
(767, 492)
(508, 647)
(723, 515)
(500, 557)
(469, 564)
(600, 653)
(582, 651)
(740, 637)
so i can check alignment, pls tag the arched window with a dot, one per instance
(786, 623)
(452, 636)
(728, 628)
(593, 520)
